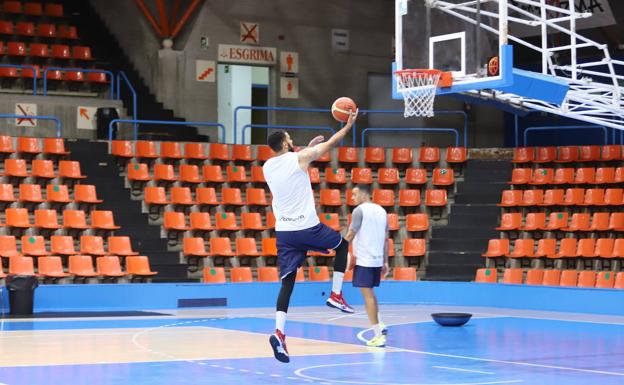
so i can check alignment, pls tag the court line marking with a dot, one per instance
(462, 370)
(299, 372)
(360, 336)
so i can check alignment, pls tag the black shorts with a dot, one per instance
(366, 276)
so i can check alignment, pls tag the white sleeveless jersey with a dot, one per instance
(370, 239)
(293, 199)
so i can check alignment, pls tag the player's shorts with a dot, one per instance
(293, 246)
(366, 276)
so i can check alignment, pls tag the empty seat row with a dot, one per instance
(550, 248)
(584, 278)
(54, 75)
(18, 218)
(43, 169)
(246, 247)
(386, 198)
(241, 152)
(31, 193)
(386, 176)
(35, 245)
(205, 196)
(32, 146)
(271, 274)
(46, 30)
(79, 266)
(560, 197)
(583, 175)
(562, 221)
(32, 8)
(41, 50)
(567, 154)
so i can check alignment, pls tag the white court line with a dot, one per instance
(299, 372)
(461, 370)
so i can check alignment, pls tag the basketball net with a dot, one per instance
(418, 88)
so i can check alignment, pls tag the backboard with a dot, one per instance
(444, 35)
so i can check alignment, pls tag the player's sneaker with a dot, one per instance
(377, 341)
(338, 302)
(384, 328)
(278, 343)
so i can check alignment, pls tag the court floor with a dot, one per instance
(230, 346)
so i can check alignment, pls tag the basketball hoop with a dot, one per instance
(418, 87)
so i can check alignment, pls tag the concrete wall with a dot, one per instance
(64, 108)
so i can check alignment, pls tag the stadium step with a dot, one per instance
(476, 230)
(449, 272)
(101, 170)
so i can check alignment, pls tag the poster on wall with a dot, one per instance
(340, 39)
(289, 88)
(289, 62)
(25, 109)
(85, 117)
(249, 33)
(205, 70)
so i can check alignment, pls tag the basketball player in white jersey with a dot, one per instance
(369, 259)
(297, 227)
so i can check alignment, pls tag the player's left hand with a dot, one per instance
(385, 270)
(351, 262)
(317, 140)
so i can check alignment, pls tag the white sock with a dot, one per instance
(377, 329)
(379, 318)
(280, 321)
(337, 282)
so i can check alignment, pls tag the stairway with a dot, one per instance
(94, 33)
(101, 170)
(455, 250)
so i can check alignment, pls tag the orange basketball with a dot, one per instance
(342, 107)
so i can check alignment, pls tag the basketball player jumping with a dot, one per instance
(297, 226)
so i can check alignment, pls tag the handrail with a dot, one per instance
(107, 72)
(261, 108)
(122, 75)
(362, 112)
(289, 127)
(454, 130)
(172, 123)
(22, 66)
(544, 128)
(437, 112)
(39, 117)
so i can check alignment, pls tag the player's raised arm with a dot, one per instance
(310, 154)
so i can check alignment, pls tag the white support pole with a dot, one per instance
(545, 52)
(398, 33)
(573, 38)
(503, 27)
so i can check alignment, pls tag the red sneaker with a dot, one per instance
(278, 343)
(338, 302)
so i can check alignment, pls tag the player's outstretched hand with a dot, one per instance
(352, 118)
(317, 140)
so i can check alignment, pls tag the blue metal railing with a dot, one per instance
(25, 66)
(354, 129)
(136, 122)
(453, 130)
(37, 117)
(563, 128)
(122, 75)
(251, 126)
(109, 73)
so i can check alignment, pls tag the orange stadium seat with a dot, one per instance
(574, 197)
(331, 220)
(416, 176)
(511, 198)
(264, 153)
(532, 198)
(268, 274)
(30, 193)
(43, 169)
(60, 51)
(594, 197)
(414, 247)
(534, 221)
(220, 152)
(611, 152)
(51, 267)
(408, 198)
(497, 248)
(175, 221)
(387, 176)
(616, 221)
(546, 248)
(241, 274)
(70, 170)
(564, 176)
(195, 151)
(318, 273)
(361, 175)
(146, 149)
(443, 177)
(54, 146)
(510, 221)
(348, 155)
(6, 193)
(200, 221)
(246, 247)
(521, 175)
(393, 222)
(330, 197)
(46, 220)
(189, 173)
(12, 6)
(182, 196)
(585, 175)
(122, 148)
(38, 50)
(194, 247)
(619, 280)
(586, 247)
(553, 197)
(17, 218)
(542, 176)
(6, 145)
(513, 276)
(604, 247)
(109, 266)
(523, 154)
(257, 174)
(402, 155)
(226, 222)
(552, 278)
(75, 219)
(579, 222)
(417, 222)
(81, 266)
(86, 193)
(138, 265)
(6, 27)
(8, 246)
(545, 154)
(429, 155)
(33, 9)
(589, 153)
(171, 150)
(242, 153)
(404, 274)
(435, 198)
(269, 247)
(53, 10)
(523, 248)
(92, 245)
(236, 174)
(569, 278)
(162, 173)
(456, 154)
(567, 248)
(613, 197)
(605, 279)
(375, 155)
(534, 277)
(21, 266)
(232, 196)
(486, 276)
(250, 221)
(62, 245)
(557, 221)
(15, 168)
(567, 154)
(383, 197)
(16, 48)
(221, 247)
(103, 220)
(213, 174)
(335, 176)
(34, 245)
(315, 175)
(206, 196)
(600, 221)
(604, 175)
(214, 275)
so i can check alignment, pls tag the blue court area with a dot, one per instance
(496, 348)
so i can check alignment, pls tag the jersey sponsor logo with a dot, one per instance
(286, 219)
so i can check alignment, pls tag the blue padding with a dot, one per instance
(260, 294)
(537, 86)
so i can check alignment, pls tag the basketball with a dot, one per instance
(342, 107)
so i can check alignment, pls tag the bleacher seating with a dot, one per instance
(217, 193)
(563, 213)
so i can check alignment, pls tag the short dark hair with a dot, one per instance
(276, 139)
(364, 188)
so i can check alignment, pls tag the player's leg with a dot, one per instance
(340, 266)
(366, 278)
(278, 340)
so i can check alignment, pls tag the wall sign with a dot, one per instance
(85, 117)
(249, 33)
(246, 54)
(289, 88)
(25, 109)
(340, 39)
(205, 70)
(289, 62)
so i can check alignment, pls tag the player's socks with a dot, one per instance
(280, 321)
(337, 282)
